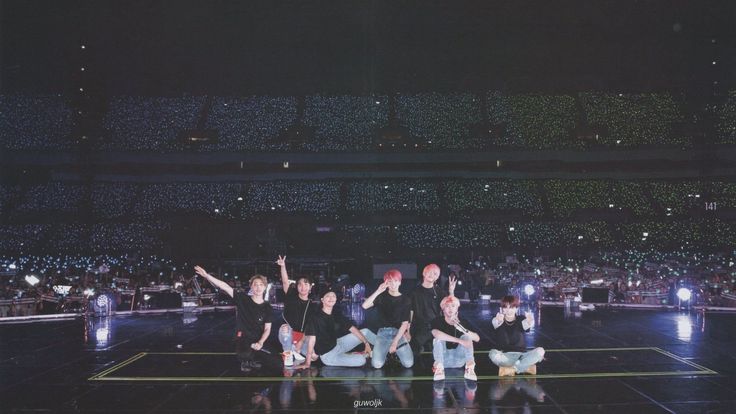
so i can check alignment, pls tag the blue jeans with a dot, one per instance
(383, 342)
(452, 358)
(287, 340)
(339, 356)
(520, 361)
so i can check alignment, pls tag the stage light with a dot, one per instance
(32, 280)
(102, 301)
(529, 290)
(89, 292)
(596, 282)
(684, 294)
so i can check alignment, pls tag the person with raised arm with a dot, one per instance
(394, 313)
(297, 307)
(252, 318)
(511, 354)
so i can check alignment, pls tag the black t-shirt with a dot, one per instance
(251, 317)
(425, 302)
(327, 329)
(441, 325)
(392, 310)
(510, 337)
(296, 311)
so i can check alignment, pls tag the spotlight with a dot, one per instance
(102, 301)
(684, 294)
(32, 280)
(89, 292)
(529, 290)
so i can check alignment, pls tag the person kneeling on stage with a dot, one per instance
(452, 346)
(331, 337)
(511, 356)
(394, 313)
(296, 314)
(253, 318)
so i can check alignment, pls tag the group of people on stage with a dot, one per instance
(427, 320)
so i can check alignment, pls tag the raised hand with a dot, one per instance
(499, 317)
(453, 283)
(281, 261)
(200, 271)
(383, 286)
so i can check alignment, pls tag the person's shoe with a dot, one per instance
(298, 357)
(439, 372)
(438, 390)
(531, 370)
(288, 358)
(470, 373)
(506, 371)
(255, 364)
(245, 367)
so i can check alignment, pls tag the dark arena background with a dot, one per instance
(578, 154)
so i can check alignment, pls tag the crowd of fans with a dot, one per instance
(251, 123)
(554, 198)
(535, 121)
(80, 237)
(631, 276)
(725, 114)
(345, 123)
(35, 122)
(635, 120)
(138, 123)
(449, 121)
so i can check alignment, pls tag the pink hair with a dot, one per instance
(429, 268)
(392, 274)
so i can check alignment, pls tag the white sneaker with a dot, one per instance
(298, 357)
(288, 359)
(470, 373)
(439, 372)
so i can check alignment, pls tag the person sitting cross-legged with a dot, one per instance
(452, 346)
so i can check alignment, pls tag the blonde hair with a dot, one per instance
(448, 300)
(257, 277)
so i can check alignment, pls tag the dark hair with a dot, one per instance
(510, 301)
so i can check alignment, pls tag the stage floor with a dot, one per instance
(596, 362)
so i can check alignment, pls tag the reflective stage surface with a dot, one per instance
(597, 362)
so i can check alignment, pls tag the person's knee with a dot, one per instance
(539, 351)
(377, 364)
(407, 362)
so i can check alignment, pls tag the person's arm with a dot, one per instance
(355, 331)
(528, 321)
(284, 274)
(449, 338)
(266, 332)
(451, 286)
(395, 343)
(311, 340)
(497, 321)
(368, 303)
(214, 281)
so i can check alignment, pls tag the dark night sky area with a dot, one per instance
(241, 47)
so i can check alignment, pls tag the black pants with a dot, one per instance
(421, 337)
(246, 354)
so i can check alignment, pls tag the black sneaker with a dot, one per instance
(255, 364)
(245, 367)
